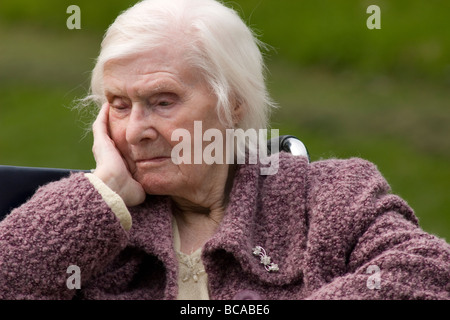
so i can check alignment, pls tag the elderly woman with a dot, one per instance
(144, 226)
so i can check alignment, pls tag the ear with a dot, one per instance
(238, 111)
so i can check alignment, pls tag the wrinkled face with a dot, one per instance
(150, 96)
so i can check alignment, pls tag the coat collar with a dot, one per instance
(151, 232)
(266, 211)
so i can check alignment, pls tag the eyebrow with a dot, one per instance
(161, 86)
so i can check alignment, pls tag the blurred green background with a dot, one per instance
(345, 90)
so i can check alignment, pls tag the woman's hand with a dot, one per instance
(111, 167)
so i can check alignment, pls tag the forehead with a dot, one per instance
(157, 64)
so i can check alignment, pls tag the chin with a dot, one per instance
(155, 184)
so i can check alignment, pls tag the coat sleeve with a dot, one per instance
(365, 243)
(64, 228)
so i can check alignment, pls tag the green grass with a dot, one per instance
(401, 125)
(344, 90)
(413, 39)
(38, 130)
(42, 73)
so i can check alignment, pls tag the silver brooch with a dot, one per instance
(265, 259)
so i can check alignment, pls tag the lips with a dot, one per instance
(151, 160)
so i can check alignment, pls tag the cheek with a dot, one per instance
(117, 132)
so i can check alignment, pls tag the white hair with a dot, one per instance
(214, 40)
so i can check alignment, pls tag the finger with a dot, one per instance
(103, 144)
(100, 124)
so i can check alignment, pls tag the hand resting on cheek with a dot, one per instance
(111, 167)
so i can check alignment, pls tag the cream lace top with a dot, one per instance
(192, 278)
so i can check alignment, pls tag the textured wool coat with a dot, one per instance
(331, 226)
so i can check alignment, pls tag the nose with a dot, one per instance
(140, 126)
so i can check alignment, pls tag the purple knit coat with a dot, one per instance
(331, 226)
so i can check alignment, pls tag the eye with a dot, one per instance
(164, 100)
(119, 104)
(164, 103)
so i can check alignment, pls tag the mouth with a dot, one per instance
(152, 161)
